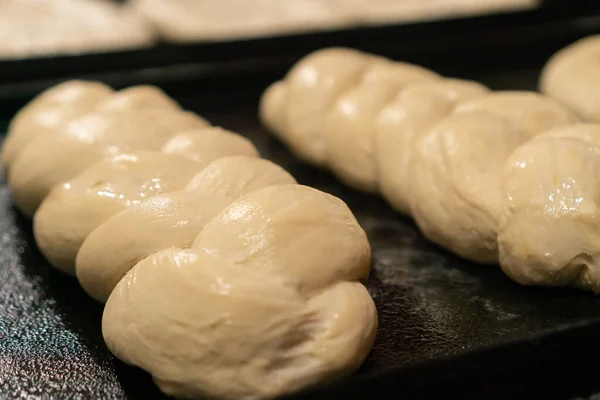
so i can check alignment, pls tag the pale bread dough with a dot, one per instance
(136, 192)
(572, 76)
(395, 11)
(137, 118)
(325, 107)
(208, 144)
(548, 229)
(168, 220)
(185, 20)
(298, 105)
(31, 28)
(121, 181)
(228, 320)
(456, 195)
(137, 98)
(224, 20)
(349, 126)
(402, 121)
(71, 211)
(48, 27)
(422, 140)
(533, 112)
(49, 111)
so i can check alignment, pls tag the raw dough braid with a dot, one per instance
(222, 276)
(434, 147)
(572, 76)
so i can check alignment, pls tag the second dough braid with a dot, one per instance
(435, 148)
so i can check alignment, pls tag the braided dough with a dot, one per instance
(572, 76)
(491, 176)
(222, 276)
(47, 27)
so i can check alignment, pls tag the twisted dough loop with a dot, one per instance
(282, 304)
(421, 140)
(222, 277)
(457, 165)
(73, 210)
(138, 232)
(548, 228)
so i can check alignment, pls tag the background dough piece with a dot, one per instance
(168, 220)
(549, 233)
(572, 76)
(73, 210)
(185, 21)
(172, 311)
(48, 27)
(414, 109)
(208, 20)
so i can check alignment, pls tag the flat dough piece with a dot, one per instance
(208, 20)
(189, 20)
(47, 27)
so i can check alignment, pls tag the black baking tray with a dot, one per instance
(447, 326)
(245, 57)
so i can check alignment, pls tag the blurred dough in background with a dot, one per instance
(395, 11)
(30, 28)
(192, 20)
(49, 27)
